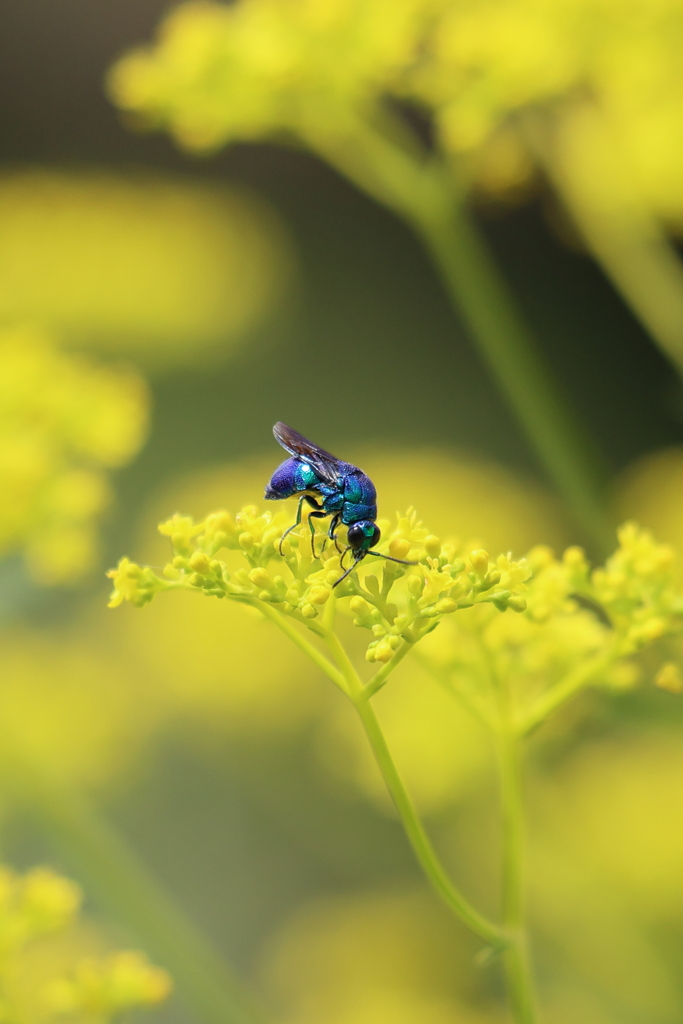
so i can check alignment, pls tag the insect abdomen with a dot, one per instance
(291, 477)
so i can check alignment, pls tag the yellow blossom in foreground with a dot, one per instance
(399, 606)
(573, 626)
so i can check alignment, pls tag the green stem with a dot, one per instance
(382, 674)
(423, 191)
(563, 691)
(316, 656)
(623, 235)
(422, 847)
(443, 678)
(112, 872)
(413, 827)
(559, 440)
(516, 956)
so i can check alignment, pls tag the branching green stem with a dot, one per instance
(413, 827)
(309, 649)
(382, 674)
(422, 190)
(563, 691)
(443, 678)
(344, 675)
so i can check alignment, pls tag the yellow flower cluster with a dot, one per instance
(100, 990)
(441, 581)
(63, 422)
(34, 904)
(638, 588)
(260, 67)
(40, 904)
(571, 613)
(492, 58)
(222, 72)
(580, 628)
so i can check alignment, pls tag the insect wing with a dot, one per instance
(325, 464)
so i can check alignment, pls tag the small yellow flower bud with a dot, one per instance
(308, 611)
(446, 605)
(247, 515)
(200, 563)
(171, 573)
(180, 563)
(415, 585)
(517, 603)
(399, 548)
(432, 546)
(246, 541)
(378, 630)
(196, 580)
(479, 560)
(669, 678)
(292, 596)
(318, 595)
(383, 651)
(259, 577)
(359, 606)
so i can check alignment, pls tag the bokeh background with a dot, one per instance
(158, 312)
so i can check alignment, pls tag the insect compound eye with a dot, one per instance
(355, 536)
(374, 537)
(363, 535)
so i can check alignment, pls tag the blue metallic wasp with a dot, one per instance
(343, 490)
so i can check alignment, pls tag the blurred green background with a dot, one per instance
(256, 284)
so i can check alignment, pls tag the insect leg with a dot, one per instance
(320, 513)
(332, 532)
(295, 524)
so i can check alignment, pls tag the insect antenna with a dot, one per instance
(401, 561)
(349, 570)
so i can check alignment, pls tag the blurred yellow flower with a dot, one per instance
(253, 68)
(100, 990)
(651, 491)
(72, 710)
(158, 268)
(36, 904)
(223, 72)
(375, 958)
(64, 420)
(45, 972)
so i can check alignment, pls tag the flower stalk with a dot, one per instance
(513, 640)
